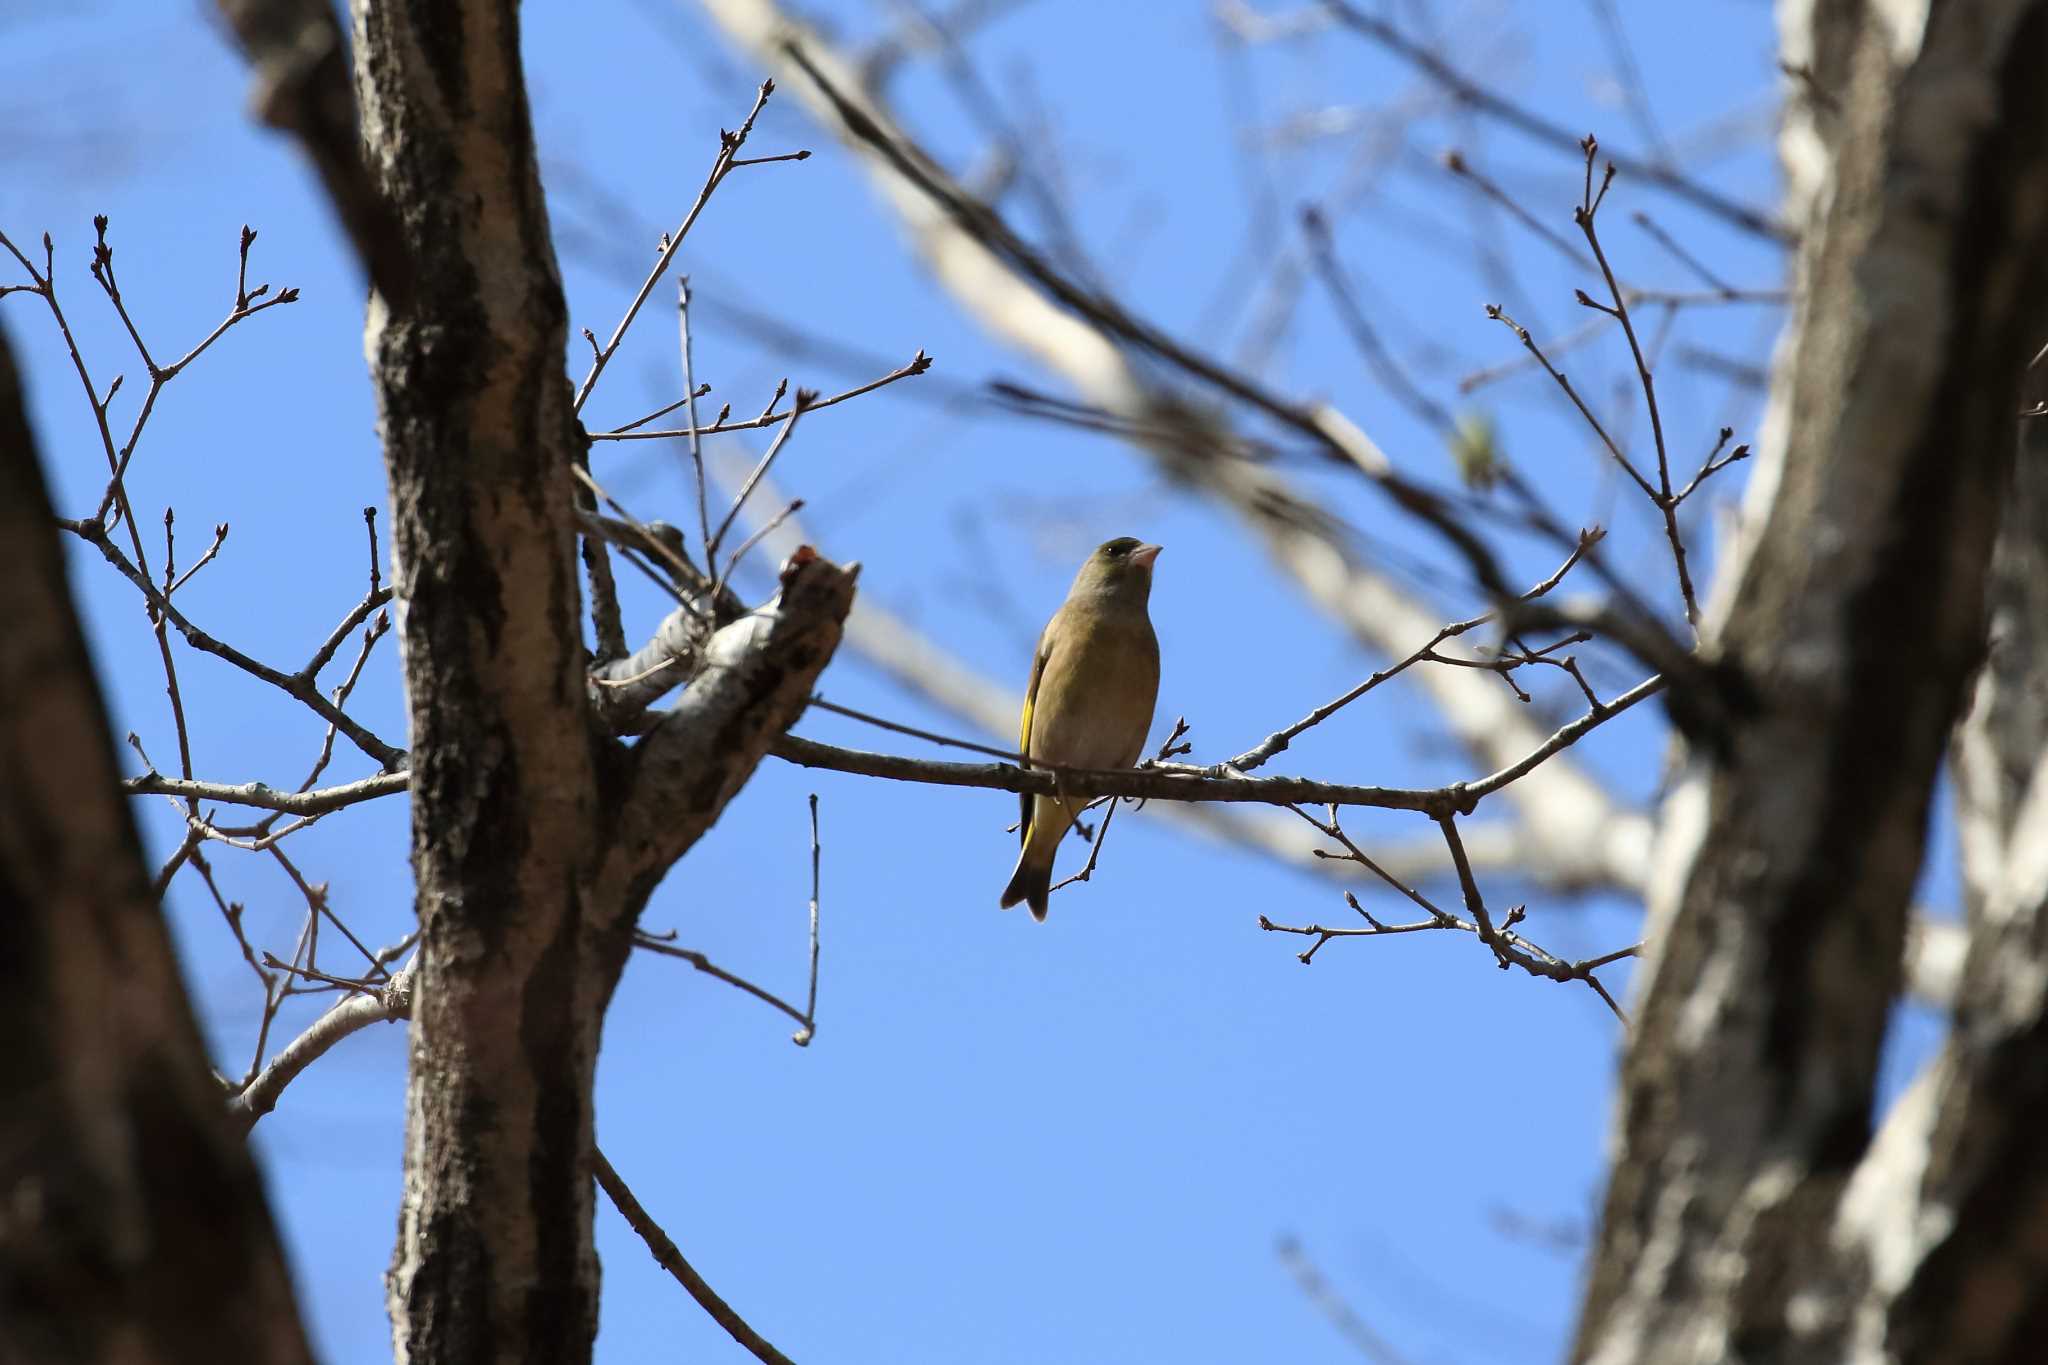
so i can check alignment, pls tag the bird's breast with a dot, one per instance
(1096, 697)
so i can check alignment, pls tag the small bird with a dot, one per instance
(1094, 680)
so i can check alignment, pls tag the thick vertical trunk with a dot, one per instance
(1946, 1214)
(537, 837)
(494, 1259)
(1856, 614)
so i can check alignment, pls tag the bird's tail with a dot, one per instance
(1030, 883)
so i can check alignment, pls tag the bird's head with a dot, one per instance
(1118, 568)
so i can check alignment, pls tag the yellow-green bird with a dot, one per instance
(1093, 683)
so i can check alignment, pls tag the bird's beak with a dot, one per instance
(1145, 554)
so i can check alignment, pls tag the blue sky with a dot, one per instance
(1009, 1142)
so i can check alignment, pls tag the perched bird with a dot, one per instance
(1093, 682)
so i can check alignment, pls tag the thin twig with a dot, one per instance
(220, 536)
(316, 900)
(690, 404)
(1681, 255)
(1256, 756)
(897, 727)
(1475, 96)
(1711, 466)
(1087, 871)
(1454, 162)
(670, 1259)
(804, 399)
(1666, 504)
(1468, 885)
(1498, 314)
(1509, 948)
(654, 944)
(760, 533)
(633, 431)
(1564, 737)
(1507, 369)
(1332, 1305)
(729, 144)
(802, 1037)
(298, 686)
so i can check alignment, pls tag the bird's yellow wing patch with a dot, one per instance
(1039, 656)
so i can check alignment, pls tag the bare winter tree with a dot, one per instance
(1882, 611)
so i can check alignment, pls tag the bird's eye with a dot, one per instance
(1114, 550)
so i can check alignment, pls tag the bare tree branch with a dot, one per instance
(668, 1258)
(301, 686)
(1183, 782)
(1476, 96)
(390, 1002)
(264, 797)
(1576, 831)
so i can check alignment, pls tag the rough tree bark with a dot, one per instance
(133, 1226)
(1752, 1213)
(494, 1257)
(1946, 1214)
(1740, 1222)
(537, 837)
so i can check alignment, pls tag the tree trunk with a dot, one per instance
(1739, 1223)
(494, 1259)
(537, 835)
